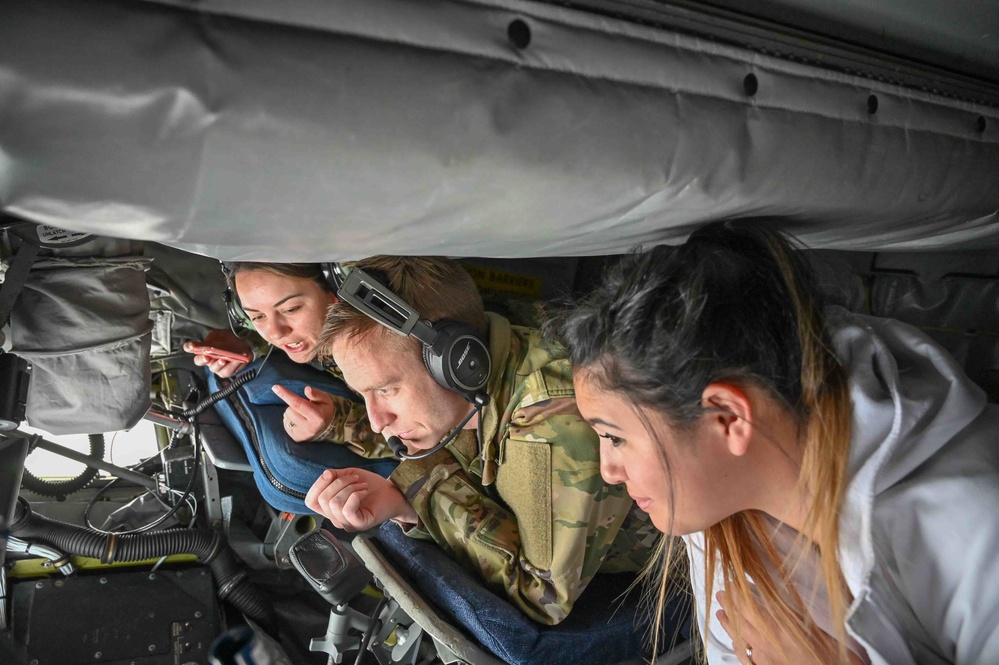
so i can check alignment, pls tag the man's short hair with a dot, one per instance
(436, 287)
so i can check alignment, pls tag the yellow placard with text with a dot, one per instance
(500, 281)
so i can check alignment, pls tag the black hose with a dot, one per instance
(63, 487)
(209, 546)
(234, 587)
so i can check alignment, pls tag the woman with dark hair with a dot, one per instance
(835, 477)
(286, 303)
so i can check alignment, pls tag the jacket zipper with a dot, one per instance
(244, 416)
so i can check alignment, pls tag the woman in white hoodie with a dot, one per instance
(835, 477)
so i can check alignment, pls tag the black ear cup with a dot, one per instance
(239, 322)
(330, 281)
(458, 359)
(428, 354)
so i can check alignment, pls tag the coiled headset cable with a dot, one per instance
(234, 385)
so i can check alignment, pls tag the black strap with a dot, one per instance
(15, 277)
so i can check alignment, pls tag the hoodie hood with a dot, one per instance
(911, 400)
(910, 397)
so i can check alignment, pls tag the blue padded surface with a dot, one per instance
(294, 465)
(602, 627)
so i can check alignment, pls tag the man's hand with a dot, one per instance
(356, 500)
(305, 419)
(220, 339)
(753, 647)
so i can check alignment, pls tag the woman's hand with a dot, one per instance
(305, 419)
(226, 341)
(356, 500)
(752, 647)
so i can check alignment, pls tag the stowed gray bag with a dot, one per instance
(83, 324)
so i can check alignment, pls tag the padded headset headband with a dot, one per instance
(454, 354)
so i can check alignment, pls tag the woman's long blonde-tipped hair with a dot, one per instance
(667, 574)
(742, 544)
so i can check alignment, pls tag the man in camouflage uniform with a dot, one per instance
(530, 513)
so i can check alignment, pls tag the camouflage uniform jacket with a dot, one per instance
(350, 425)
(560, 523)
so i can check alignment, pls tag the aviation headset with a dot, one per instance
(456, 356)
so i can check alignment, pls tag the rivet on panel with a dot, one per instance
(519, 33)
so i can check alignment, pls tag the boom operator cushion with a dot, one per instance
(283, 469)
(606, 625)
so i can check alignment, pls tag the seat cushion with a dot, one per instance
(283, 469)
(606, 624)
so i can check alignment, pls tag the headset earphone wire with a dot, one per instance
(399, 448)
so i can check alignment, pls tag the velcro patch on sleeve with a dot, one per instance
(524, 480)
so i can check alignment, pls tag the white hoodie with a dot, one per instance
(919, 531)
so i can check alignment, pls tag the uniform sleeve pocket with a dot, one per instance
(524, 480)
